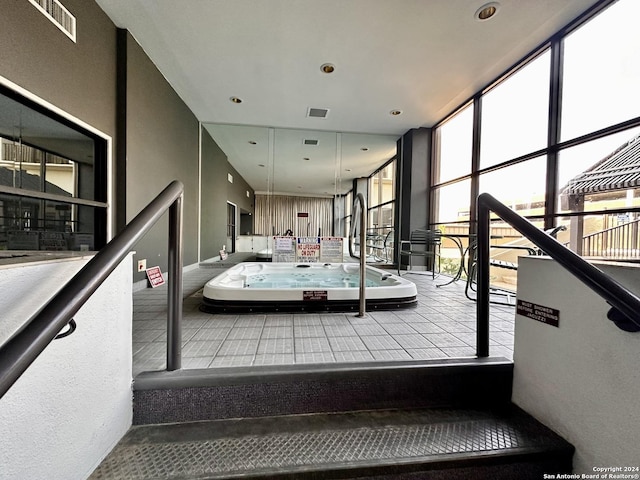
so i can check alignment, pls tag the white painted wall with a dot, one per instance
(581, 379)
(75, 402)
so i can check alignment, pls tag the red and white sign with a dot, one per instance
(154, 274)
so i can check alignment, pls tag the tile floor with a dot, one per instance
(441, 326)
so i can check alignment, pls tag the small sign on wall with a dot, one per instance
(540, 313)
(154, 274)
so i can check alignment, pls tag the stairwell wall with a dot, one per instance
(74, 403)
(581, 378)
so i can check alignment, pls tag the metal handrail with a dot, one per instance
(625, 311)
(21, 350)
(359, 202)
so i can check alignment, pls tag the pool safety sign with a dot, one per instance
(331, 249)
(308, 249)
(154, 274)
(284, 249)
(540, 313)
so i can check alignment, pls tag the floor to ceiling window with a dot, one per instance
(556, 139)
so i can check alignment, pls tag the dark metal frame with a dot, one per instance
(625, 311)
(21, 350)
(555, 46)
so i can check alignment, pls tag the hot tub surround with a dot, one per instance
(286, 287)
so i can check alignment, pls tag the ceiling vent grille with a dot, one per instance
(58, 15)
(318, 112)
(310, 141)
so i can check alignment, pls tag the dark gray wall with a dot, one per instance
(413, 179)
(216, 191)
(77, 77)
(162, 146)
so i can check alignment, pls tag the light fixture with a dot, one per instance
(327, 68)
(487, 11)
(395, 113)
(235, 100)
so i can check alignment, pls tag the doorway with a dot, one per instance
(231, 227)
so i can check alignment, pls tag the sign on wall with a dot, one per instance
(540, 313)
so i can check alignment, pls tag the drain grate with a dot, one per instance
(304, 451)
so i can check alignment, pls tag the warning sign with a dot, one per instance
(308, 249)
(539, 313)
(154, 274)
(331, 249)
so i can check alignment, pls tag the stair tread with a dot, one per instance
(296, 444)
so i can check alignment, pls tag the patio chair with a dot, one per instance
(424, 244)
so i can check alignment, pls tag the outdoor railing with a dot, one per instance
(621, 241)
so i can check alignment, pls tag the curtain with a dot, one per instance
(275, 214)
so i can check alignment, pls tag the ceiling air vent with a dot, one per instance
(310, 141)
(58, 15)
(318, 112)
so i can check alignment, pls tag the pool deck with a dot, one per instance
(441, 326)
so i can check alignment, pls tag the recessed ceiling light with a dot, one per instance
(235, 100)
(327, 68)
(252, 142)
(395, 113)
(487, 11)
(306, 158)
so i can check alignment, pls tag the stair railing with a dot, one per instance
(21, 350)
(625, 311)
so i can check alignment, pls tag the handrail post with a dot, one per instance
(363, 255)
(174, 291)
(482, 313)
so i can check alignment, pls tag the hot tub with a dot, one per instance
(281, 287)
